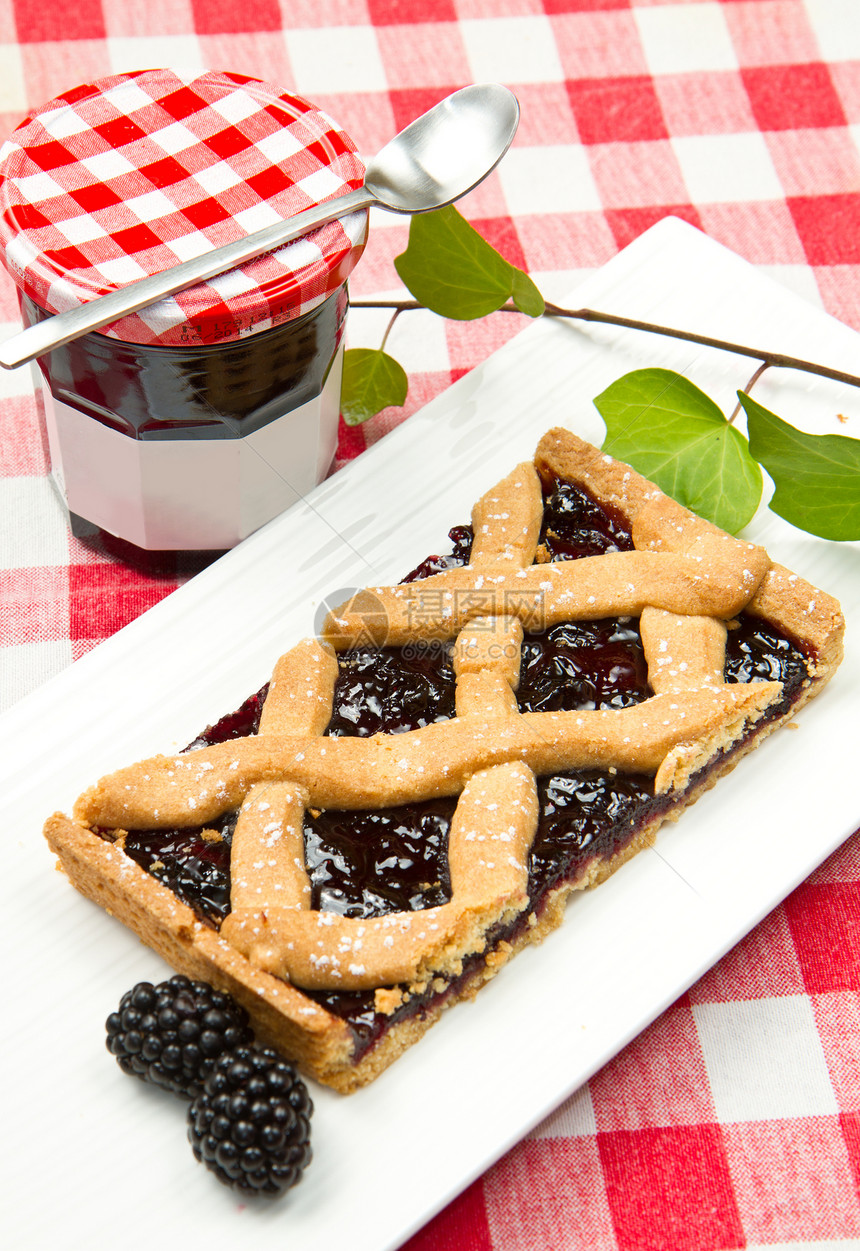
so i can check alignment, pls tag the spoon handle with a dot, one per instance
(61, 328)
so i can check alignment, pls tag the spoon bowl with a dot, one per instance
(432, 162)
(446, 152)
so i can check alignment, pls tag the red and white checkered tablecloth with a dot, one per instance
(734, 1120)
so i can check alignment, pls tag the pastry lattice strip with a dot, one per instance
(489, 754)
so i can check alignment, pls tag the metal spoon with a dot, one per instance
(434, 161)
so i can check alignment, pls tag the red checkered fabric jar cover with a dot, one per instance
(129, 175)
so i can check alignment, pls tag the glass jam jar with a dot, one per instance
(190, 423)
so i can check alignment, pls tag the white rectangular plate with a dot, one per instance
(97, 1156)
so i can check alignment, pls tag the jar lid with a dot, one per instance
(129, 175)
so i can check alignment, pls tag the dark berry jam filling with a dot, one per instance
(461, 547)
(757, 652)
(584, 814)
(575, 524)
(363, 864)
(193, 863)
(239, 724)
(389, 690)
(583, 664)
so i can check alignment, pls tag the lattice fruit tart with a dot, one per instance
(415, 794)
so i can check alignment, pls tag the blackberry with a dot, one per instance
(172, 1034)
(251, 1124)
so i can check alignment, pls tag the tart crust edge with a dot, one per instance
(809, 615)
(282, 1015)
(320, 1043)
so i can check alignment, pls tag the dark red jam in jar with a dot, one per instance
(192, 422)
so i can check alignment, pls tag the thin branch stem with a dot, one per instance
(389, 328)
(746, 390)
(778, 359)
(774, 359)
(400, 305)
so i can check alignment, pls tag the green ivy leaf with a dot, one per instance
(372, 380)
(449, 268)
(816, 476)
(670, 431)
(525, 294)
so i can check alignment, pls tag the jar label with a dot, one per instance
(195, 494)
